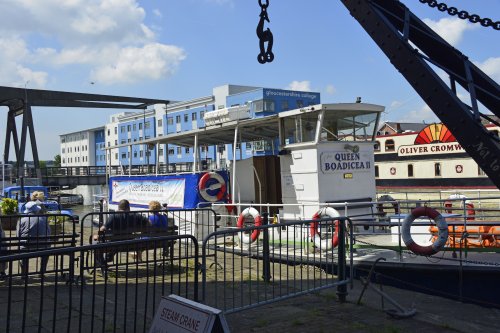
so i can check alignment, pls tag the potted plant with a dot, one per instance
(8, 207)
(55, 224)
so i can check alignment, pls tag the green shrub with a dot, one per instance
(8, 206)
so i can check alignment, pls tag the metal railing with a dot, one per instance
(125, 299)
(281, 262)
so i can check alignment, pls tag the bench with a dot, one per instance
(10, 244)
(104, 256)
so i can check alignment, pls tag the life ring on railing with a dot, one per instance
(249, 212)
(441, 224)
(388, 198)
(470, 211)
(314, 233)
(220, 186)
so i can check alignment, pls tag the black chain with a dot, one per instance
(265, 36)
(464, 15)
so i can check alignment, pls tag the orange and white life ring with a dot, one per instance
(249, 212)
(325, 244)
(441, 224)
(470, 211)
(220, 186)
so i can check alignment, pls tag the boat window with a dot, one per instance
(410, 170)
(299, 128)
(437, 169)
(376, 146)
(339, 126)
(376, 171)
(389, 145)
(480, 171)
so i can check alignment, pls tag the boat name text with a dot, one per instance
(429, 149)
(332, 162)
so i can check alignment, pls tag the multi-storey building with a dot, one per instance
(82, 148)
(128, 127)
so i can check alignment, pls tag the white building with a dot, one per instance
(79, 148)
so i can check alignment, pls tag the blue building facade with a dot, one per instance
(100, 142)
(189, 115)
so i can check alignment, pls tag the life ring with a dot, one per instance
(314, 233)
(442, 237)
(469, 206)
(459, 168)
(389, 199)
(220, 186)
(393, 171)
(249, 212)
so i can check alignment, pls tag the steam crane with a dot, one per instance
(393, 26)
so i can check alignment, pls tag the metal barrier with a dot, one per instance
(37, 232)
(261, 264)
(123, 299)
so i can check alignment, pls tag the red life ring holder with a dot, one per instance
(314, 232)
(393, 171)
(459, 168)
(220, 186)
(441, 224)
(249, 212)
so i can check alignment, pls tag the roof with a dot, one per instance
(403, 127)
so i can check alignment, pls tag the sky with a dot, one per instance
(180, 50)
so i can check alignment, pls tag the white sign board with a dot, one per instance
(177, 314)
(141, 192)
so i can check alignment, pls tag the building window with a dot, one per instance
(160, 123)
(160, 151)
(122, 129)
(140, 126)
(141, 153)
(186, 150)
(135, 153)
(116, 156)
(178, 119)
(284, 105)
(147, 125)
(123, 141)
(263, 105)
(109, 132)
(116, 130)
(202, 114)
(194, 116)
(129, 128)
(116, 142)
(171, 151)
(410, 170)
(179, 151)
(389, 145)
(376, 171)
(300, 103)
(437, 169)
(376, 146)
(124, 155)
(63, 150)
(186, 118)
(170, 120)
(128, 140)
(238, 145)
(249, 146)
(221, 148)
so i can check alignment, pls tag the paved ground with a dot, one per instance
(322, 312)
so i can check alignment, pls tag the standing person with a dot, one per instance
(33, 232)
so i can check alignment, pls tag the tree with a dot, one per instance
(57, 161)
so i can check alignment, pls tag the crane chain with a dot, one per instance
(464, 15)
(265, 36)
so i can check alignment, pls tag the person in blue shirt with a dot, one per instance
(156, 219)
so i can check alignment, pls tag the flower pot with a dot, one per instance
(8, 222)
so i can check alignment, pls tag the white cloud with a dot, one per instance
(299, 85)
(491, 67)
(98, 34)
(450, 29)
(425, 114)
(330, 89)
(153, 61)
(157, 12)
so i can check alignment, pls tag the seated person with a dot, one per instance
(121, 223)
(29, 229)
(156, 220)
